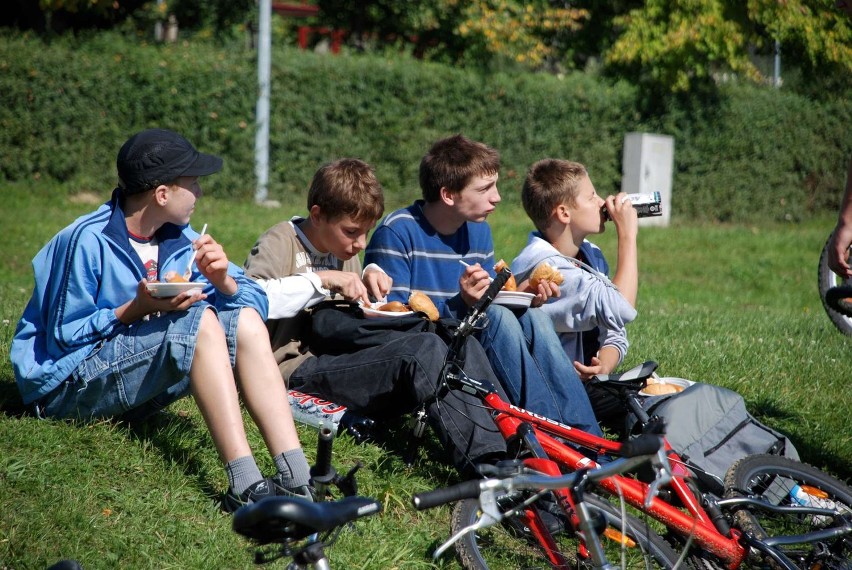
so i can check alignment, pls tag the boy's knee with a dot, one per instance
(250, 319)
(209, 324)
(538, 318)
(503, 320)
(250, 327)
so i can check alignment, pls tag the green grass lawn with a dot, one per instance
(731, 305)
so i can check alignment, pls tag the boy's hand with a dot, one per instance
(473, 283)
(624, 215)
(344, 283)
(378, 283)
(212, 262)
(545, 290)
(595, 367)
(838, 251)
(145, 304)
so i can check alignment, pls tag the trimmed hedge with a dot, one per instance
(66, 107)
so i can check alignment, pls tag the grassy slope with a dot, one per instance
(733, 305)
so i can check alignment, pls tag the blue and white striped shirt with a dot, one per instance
(418, 258)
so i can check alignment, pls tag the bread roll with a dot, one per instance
(421, 302)
(510, 284)
(393, 307)
(660, 389)
(545, 272)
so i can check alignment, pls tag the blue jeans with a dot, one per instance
(138, 371)
(527, 357)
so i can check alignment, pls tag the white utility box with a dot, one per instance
(647, 167)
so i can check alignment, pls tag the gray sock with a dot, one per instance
(242, 473)
(293, 468)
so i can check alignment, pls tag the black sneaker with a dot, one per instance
(256, 492)
(305, 492)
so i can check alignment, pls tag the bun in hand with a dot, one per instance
(545, 272)
(421, 303)
(510, 284)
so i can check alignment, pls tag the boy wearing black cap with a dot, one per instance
(94, 342)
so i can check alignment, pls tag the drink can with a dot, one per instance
(646, 205)
(812, 497)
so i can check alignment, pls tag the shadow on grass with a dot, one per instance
(400, 452)
(10, 400)
(812, 452)
(175, 435)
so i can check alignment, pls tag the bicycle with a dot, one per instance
(299, 529)
(828, 280)
(594, 518)
(760, 517)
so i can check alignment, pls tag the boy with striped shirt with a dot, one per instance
(421, 246)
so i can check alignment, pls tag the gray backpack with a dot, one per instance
(711, 429)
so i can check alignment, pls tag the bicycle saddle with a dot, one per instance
(281, 519)
(635, 378)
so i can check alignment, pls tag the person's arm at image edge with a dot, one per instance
(841, 238)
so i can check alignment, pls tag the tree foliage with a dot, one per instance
(476, 32)
(524, 32)
(676, 44)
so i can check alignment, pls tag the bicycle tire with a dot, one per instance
(773, 477)
(502, 546)
(827, 279)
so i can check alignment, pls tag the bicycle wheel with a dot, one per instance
(506, 545)
(828, 279)
(783, 481)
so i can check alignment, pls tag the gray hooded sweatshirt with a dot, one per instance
(588, 300)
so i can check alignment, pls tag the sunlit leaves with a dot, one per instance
(676, 43)
(520, 31)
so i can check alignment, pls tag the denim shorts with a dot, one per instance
(140, 370)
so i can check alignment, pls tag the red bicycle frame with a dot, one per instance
(693, 521)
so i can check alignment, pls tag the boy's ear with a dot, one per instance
(315, 214)
(447, 197)
(562, 214)
(161, 194)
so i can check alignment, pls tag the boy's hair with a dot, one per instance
(452, 162)
(550, 182)
(347, 187)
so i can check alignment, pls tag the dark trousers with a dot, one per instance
(395, 378)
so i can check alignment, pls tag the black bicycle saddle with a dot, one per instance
(635, 378)
(281, 519)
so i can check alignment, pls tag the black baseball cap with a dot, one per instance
(159, 156)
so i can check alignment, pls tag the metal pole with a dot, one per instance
(776, 79)
(264, 60)
(158, 25)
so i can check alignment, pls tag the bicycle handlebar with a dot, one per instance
(645, 444)
(469, 322)
(648, 449)
(322, 467)
(444, 495)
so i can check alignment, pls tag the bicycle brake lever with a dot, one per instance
(347, 484)
(490, 516)
(663, 471)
